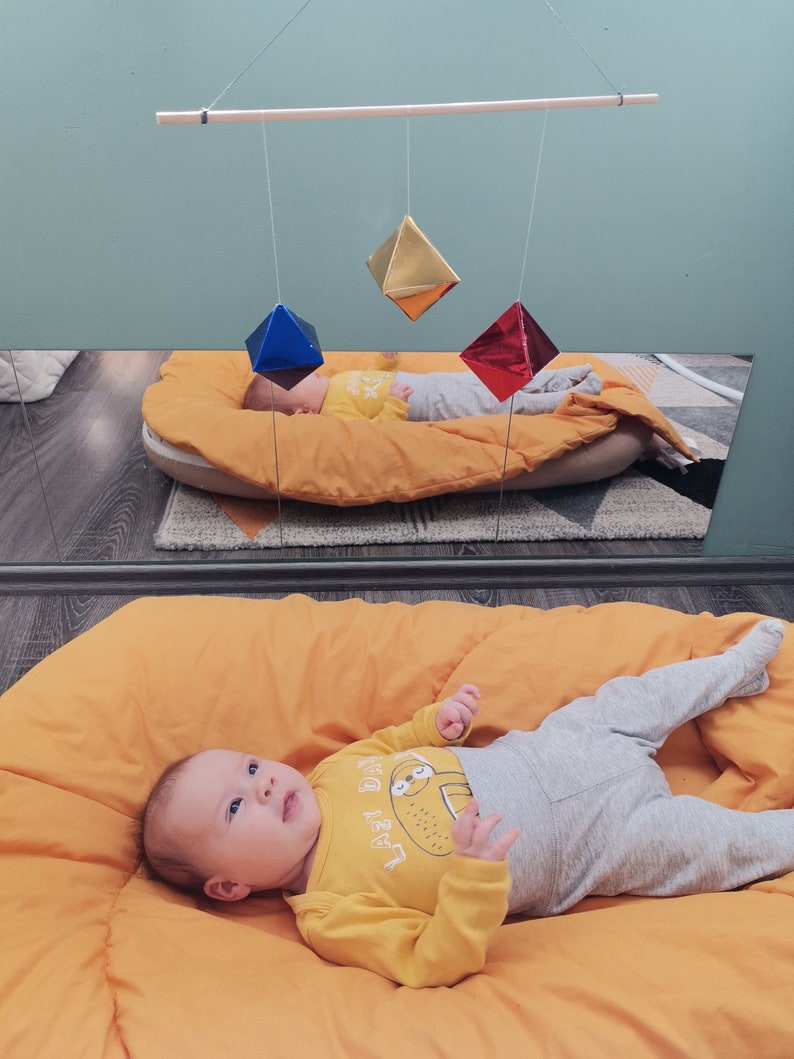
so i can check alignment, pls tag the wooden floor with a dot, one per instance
(85, 491)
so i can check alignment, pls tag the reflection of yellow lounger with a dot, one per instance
(98, 962)
(196, 431)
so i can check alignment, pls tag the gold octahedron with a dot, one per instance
(410, 271)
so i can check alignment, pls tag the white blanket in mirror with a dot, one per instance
(32, 374)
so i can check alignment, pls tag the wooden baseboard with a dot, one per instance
(197, 577)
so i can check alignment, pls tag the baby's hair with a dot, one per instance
(261, 397)
(171, 865)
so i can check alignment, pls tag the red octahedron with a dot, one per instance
(510, 352)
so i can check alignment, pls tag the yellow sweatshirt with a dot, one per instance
(386, 890)
(365, 394)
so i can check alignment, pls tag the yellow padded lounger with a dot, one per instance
(196, 430)
(97, 961)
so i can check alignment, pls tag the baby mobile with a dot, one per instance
(409, 270)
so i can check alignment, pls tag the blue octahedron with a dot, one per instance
(284, 348)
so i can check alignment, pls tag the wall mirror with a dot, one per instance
(625, 229)
(80, 486)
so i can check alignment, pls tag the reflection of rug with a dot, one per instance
(647, 501)
(631, 506)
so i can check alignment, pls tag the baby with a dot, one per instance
(404, 852)
(382, 393)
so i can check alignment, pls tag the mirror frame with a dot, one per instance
(475, 574)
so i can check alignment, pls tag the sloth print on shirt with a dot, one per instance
(425, 803)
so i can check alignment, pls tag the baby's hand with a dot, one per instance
(389, 355)
(401, 391)
(455, 713)
(472, 836)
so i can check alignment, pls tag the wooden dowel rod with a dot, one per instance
(198, 117)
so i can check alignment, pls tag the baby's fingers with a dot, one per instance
(463, 827)
(481, 845)
(483, 828)
(471, 689)
(472, 836)
(468, 694)
(501, 845)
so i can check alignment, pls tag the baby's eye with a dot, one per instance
(235, 805)
(252, 767)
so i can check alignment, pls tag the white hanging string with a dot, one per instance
(258, 56)
(303, 7)
(275, 461)
(408, 164)
(24, 410)
(504, 468)
(207, 114)
(272, 218)
(520, 291)
(532, 203)
(573, 37)
(278, 299)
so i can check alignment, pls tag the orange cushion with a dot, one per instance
(197, 407)
(97, 961)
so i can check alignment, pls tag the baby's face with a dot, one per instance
(252, 823)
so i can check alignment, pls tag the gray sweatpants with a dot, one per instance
(445, 395)
(595, 810)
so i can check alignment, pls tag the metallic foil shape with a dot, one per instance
(284, 348)
(410, 271)
(510, 352)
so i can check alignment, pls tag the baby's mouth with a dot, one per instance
(290, 804)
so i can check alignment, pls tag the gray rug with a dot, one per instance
(631, 506)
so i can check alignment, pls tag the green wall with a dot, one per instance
(661, 228)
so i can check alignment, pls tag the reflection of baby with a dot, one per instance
(382, 393)
(386, 863)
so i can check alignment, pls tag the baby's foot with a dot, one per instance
(758, 647)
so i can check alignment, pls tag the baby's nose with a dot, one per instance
(264, 788)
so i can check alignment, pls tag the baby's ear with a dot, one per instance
(225, 890)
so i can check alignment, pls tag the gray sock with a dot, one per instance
(758, 647)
